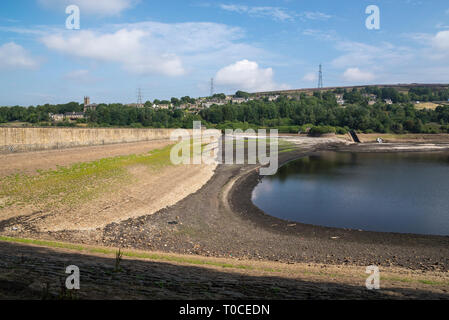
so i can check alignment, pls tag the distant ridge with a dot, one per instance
(399, 86)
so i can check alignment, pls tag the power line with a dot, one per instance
(211, 87)
(320, 78)
(139, 97)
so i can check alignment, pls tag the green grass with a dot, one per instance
(77, 183)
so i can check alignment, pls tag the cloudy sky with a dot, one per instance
(173, 48)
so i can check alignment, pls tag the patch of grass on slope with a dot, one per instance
(79, 182)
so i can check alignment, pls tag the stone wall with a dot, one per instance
(29, 139)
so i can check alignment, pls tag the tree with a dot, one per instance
(242, 94)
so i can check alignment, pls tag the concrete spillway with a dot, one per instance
(354, 136)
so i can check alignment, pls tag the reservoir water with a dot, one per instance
(388, 192)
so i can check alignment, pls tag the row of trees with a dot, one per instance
(289, 115)
(324, 111)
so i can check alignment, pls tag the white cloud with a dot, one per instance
(316, 15)
(246, 75)
(441, 40)
(329, 35)
(77, 74)
(14, 56)
(310, 77)
(127, 47)
(361, 54)
(157, 48)
(82, 76)
(356, 75)
(100, 7)
(275, 13)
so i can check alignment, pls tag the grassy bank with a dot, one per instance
(79, 182)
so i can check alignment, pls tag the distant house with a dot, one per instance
(273, 98)
(162, 106)
(56, 117)
(238, 100)
(184, 106)
(340, 99)
(74, 115)
(388, 101)
(371, 102)
(211, 103)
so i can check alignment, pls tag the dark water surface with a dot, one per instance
(390, 192)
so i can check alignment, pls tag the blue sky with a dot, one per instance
(173, 48)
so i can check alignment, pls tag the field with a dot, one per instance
(426, 105)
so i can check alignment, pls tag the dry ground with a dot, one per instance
(144, 190)
(29, 162)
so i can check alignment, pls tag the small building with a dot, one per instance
(74, 115)
(56, 117)
(162, 106)
(238, 100)
(211, 103)
(89, 106)
(273, 98)
(388, 101)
